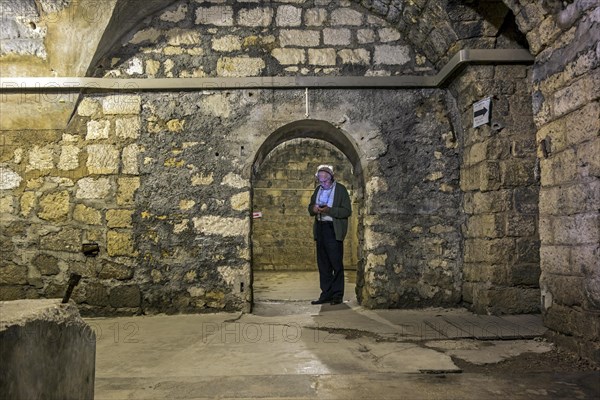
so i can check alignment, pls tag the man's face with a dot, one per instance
(324, 179)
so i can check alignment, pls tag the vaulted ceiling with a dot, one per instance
(67, 37)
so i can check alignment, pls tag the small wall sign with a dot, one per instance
(481, 112)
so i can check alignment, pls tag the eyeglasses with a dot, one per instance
(325, 180)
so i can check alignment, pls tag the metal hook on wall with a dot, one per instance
(306, 114)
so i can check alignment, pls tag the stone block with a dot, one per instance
(517, 172)
(120, 243)
(183, 37)
(221, 226)
(557, 260)
(560, 168)
(322, 57)
(125, 296)
(111, 270)
(97, 129)
(489, 251)
(150, 34)
(130, 159)
(90, 188)
(36, 334)
(357, 56)
(528, 250)
(315, 16)
(256, 17)
(388, 35)
(485, 226)
(54, 206)
(546, 229)
(524, 275)
(577, 229)
(227, 43)
(487, 273)
(40, 158)
(102, 159)
(128, 128)
(69, 158)
(346, 16)
(588, 158)
(215, 15)
(12, 274)
(521, 225)
(576, 95)
(121, 104)
(489, 176)
(88, 107)
(28, 202)
(126, 189)
(289, 56)
(566, 290)
(95, 294)
(46, 264)
(7, 204)
(336, 37)
(391, 55)
(240, 66)
(66, 239)
(469, 178)
(513, 300)
(585, 259)
(475, 153)
(12, 292)
(564, 320)
(9, 179)
(582, 125)
(300, 38)
(119, 218)
(365, 36)
(241, 201)
(525, 200)
(87, 215)
(288, 15)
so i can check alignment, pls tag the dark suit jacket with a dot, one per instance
(340, 210)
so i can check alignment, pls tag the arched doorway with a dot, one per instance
(283, 251)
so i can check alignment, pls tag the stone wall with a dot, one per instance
(321, 37)
(169, 198)
(498, 171)
(566, 92)
(282, 239)
(162, 180)
(69, 188)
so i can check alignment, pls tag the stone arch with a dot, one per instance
(319, 130)
(312, 129)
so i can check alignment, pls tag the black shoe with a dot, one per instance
(337, 300)
(319, 301)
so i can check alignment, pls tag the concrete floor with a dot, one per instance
(289, 349)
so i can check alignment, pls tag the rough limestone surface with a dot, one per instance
(38, 333)
(501, 218)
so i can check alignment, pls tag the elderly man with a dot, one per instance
(331, 207)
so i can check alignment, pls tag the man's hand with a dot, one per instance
(324, 210)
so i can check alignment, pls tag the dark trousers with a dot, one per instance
(330, 255)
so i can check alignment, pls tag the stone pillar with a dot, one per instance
(501, 246)
(47, 351)
(567, 113)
